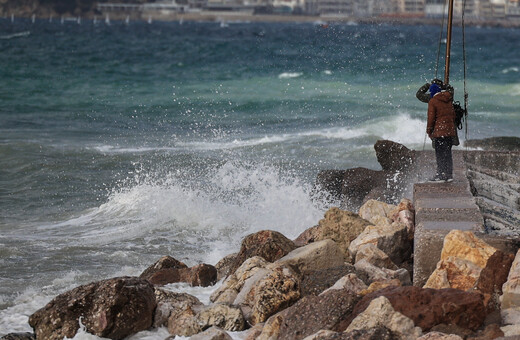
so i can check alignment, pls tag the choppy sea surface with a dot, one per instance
(122, 143)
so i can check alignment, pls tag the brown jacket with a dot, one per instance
(441, 116)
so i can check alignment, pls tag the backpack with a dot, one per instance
(460, 114)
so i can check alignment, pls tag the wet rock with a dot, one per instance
(392, 239)
(268, 244)
(310, 315)
(203, 275)
(19, 336)
(430, 307)
(267, 293)
(318, 255)
(350, 283)
(315, 282)
(213, 333)
(113, 308)
(359, 183)
(393, 156)
(463, 257)
(169, 303)
(439, 336)
(232, 285)
(338, 225)
(381, 313)
(165, 262)
(225, 265)
(373, 255)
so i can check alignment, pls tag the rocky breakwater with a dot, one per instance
(348, 277)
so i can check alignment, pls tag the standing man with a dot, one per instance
(441, 130)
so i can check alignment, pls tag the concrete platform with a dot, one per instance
(442, 207)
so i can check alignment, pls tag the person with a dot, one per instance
(441, 130)
(423, 95)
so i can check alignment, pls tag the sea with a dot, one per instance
(121, 142)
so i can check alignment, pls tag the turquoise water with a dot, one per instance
(123, 143)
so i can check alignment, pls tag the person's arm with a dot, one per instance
(430, 126)
(421, 93)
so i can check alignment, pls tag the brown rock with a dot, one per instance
(19, 336)
(511, 289)
(164, 262)
(430, 307)
(377, 212)
(315, 282)
(405, 214)
(309, 315)
(338, 225)
(113, 308)
(493, 276)
(378, 285)
(393, 156)
(491, 332)
(359, 182)
(376, 333)
(213, 333)
(164, 276)
(372, 254)
(224, 266)
(271, 245)
(201, 275)
(439, 336)
(465, 245)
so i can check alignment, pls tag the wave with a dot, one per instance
(15, 35)
(289, 75)
(510, 69)
(214, 212)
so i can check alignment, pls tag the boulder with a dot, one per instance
(165, 262)
(310, 315)
(378, 285)
(381, 313)
(511, 289)
(392, 239)
(350, 283)
(268, 244)
(169, 303)
(213, 333)
(232, 285)
(511, 332)
(113, 309)
(330, 182)
(492, 331)
(463, 257)
(377, 333)
(382, 274)
(203, 275)
(19, 336)
(493, 276)
(268, 292)
(439, 336)
(376, 212)
(192, 321)
(405, 214)
(318, 255)
(315, 282)
(359, 183)
(224, 266)
(393, 156)
(430, 307)
(338, 225)
(373, 255)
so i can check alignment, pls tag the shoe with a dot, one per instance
(436, 179)
(448, 180)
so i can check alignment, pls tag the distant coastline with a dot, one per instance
(230, 17)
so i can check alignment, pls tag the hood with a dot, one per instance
(444, 97)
